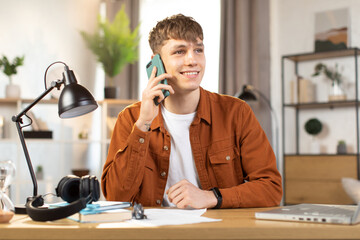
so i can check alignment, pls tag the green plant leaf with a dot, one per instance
(10, 68)
(313, 126)
(114, 44)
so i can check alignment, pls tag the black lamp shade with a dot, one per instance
(75, 100)
(247, 94)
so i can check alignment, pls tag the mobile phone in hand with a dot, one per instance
(156, 61)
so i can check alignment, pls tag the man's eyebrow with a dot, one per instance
(184, 46)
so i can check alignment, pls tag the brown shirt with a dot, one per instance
(230, 149)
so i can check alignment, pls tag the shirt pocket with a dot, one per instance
(227, 168)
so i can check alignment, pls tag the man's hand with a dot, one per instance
(184, 194)
(149, 110)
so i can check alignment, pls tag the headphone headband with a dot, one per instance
(76, 191)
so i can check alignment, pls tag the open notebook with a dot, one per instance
(320, 213)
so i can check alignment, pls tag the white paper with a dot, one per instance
(161, 217)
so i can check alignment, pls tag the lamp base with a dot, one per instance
(20, 209)
(37, 202)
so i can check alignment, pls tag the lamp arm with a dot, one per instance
(276, 121)
(18, 121)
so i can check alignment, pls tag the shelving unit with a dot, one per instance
(316, 178)
(59, 154)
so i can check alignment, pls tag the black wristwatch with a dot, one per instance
(218, 196)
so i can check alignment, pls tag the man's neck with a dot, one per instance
(184, 103)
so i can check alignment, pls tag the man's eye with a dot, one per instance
(179, 52)
(199, 50)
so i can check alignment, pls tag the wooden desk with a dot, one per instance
(236, 224)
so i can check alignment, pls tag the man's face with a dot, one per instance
(185, 61)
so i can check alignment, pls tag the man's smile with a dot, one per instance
(190, 73)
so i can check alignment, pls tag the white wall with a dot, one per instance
(292, 32)
(46, 31)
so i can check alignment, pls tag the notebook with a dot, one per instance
(319, 213)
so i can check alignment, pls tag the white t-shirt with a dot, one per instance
(182, 165)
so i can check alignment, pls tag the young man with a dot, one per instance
(196, 149)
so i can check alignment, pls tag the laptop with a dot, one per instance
(319, 213)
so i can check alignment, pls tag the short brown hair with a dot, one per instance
(175, 27)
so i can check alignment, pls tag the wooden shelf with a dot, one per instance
(322, 55)
(118, 101)
(55, 101)
(318, 155)
(317, 105)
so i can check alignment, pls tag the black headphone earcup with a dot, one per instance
(68, 188)
(89, 186)
(95, 188)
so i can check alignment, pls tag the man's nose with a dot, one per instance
(190, 58)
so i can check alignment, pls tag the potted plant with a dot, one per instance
(336, 91)
(313, 127)
(39, 172)
(341, 147)
(114, 45)
(10, 69)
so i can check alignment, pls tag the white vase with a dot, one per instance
(314, 145)
(12, 91)
(336, 93)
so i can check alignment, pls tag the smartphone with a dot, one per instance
(156, 61)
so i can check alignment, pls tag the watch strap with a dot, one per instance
(218, 196)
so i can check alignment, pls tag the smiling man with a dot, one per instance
(196, 149)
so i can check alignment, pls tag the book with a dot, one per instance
(102, 211)
(105, 216)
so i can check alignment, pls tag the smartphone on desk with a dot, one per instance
(157, 62)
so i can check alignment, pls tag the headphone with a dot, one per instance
(75, 190)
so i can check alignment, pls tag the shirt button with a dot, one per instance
(163, 174)
(158, 202)
(141, 140)
(166, 148)
(227, 158)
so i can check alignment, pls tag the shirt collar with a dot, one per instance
(202, 112)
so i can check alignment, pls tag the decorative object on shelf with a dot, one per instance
(331, 30)
(7, 173)
(313, 127)
(38, 134)
(80, 172)
(9, 69)
(74, 101)
(336, 91)
(114, 45)
(2, 127)
(306, 90)
(39, 128)
(352, 188)
(84, 133)
(39, 172)
(247, 94)
(341, 147)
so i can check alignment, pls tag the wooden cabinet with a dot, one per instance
(316, 177)
(64, 151)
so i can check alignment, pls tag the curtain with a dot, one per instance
(245, 52)
(128, 79)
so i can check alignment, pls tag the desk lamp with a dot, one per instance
(74, 101)
(248, 95)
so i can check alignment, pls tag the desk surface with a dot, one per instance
(236, 224)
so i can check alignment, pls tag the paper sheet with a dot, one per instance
(161, 217)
